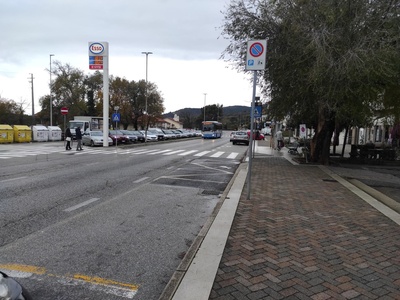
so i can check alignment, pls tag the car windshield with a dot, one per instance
(240, 133)
(115, 132)
(96, 133)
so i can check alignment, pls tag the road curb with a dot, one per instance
(176, 284)
(372, 197)
(376, 194)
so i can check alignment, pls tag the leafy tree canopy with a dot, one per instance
(83, 95)
(333, 61)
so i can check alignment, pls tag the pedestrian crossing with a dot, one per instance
(163, 152)
(17, 152)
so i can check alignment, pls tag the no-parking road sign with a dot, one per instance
(256, 55)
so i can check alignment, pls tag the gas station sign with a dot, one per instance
(96, 62)
(97, 50)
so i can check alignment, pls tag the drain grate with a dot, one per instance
(210, 192)
(329, 180)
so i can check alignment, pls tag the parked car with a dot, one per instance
(158, 132)
(177, 133)
(149, 137)
(138, 134)
(240, 137)
(183, 133)
(169, 134)
(188, 133)
(132, 137)
(94, 138)
(257, 135)
(118, 137)
(231, 136)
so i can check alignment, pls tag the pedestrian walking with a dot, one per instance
(78, 135)
(279, 138)
(68, 138)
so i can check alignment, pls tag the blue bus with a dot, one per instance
(212, 130)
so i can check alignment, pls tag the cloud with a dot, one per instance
(184, 35)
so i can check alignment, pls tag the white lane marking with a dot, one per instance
(140, 180)
(12, 179)
(21, 154)
(146, 151)
(233, 155)
(218, 154)
(159, 152)
(202, 153)
(81, 204)
(187, 153)
(173, 152)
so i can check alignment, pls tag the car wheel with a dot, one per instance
(91, 143)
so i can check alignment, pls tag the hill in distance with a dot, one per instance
(227, 111)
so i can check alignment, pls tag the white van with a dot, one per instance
(266, 131)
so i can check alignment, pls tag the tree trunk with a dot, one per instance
(321, 142)
(345, 140)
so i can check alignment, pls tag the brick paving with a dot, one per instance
(305, 236)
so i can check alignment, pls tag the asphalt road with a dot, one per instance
(106, 223)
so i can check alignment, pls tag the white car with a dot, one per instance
(94, 138)
(150, 137)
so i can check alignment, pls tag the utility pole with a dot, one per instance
(33, 101)
(146, 112)
(51, 99)
(205, 97)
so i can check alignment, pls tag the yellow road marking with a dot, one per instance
(24, 268)
(104, 281)
(85, 278)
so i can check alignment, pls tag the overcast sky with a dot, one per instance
(184, 36)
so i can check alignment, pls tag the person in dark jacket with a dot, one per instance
(68, 138)
(78, 135)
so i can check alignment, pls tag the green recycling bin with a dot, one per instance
(6, 134)
(22, 134)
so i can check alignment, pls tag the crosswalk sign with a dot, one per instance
(116, 117)
(257, 111)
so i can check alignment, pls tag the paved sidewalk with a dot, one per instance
(306, 233)
(303, 235)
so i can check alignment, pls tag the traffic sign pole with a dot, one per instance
(255, 61)
(65, 128)
(64, 112)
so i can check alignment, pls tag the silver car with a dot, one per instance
(94, 138)
(150, 136)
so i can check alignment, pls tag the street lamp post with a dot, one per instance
(205, 97)
(51, 99)
(147, 60)
(145, 108)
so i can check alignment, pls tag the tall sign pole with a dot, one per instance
(255, 61)
(51, 97)
(98, 60)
